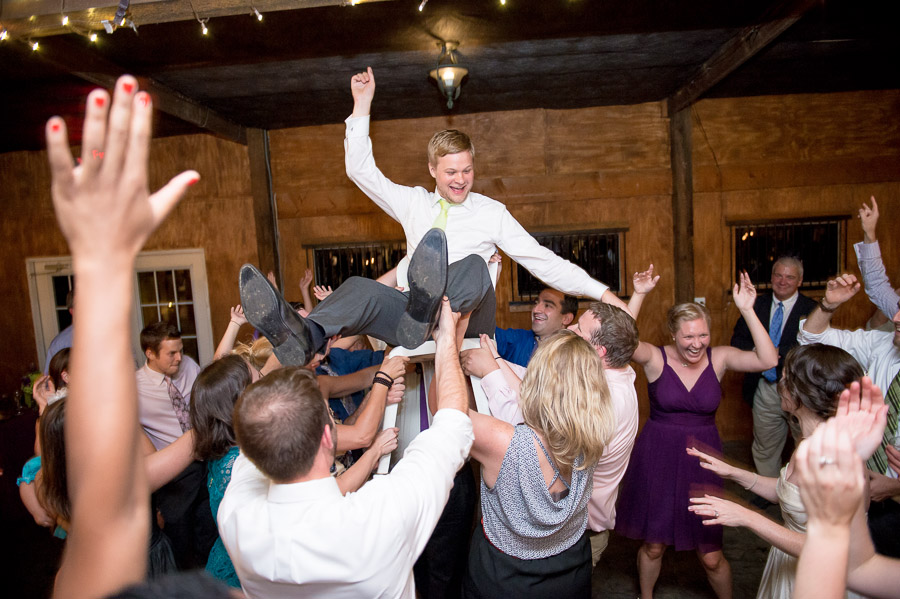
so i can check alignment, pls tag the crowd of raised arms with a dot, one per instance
(253, 475)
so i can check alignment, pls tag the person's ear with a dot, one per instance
(65, 376)
(432, 170)
(567, 319)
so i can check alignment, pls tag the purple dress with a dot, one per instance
(661, 476)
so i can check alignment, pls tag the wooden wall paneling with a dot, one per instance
(216, 215)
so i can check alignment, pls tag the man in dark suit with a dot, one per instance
(780, 312)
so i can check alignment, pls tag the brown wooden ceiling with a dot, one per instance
(293, 68)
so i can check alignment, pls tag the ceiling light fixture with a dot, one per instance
(4, 35)
(65, 20)
(203, 28)
(257, 13)
(449, 73)
(93, 37)
(422, 6)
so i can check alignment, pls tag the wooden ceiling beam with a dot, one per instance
(82, 63)
(738, 50)
(40, 18)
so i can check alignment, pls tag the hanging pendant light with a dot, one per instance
(449, 73)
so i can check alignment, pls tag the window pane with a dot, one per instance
(167, 314)
(183, 285)
(334, 265)
(597, 252)
(146, 287)
(149, 315)
(816, 243)
(190, 348)
(186, 316)
(165, 287)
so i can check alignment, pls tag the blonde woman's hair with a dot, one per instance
(686, 312)
(565, 398)
(256, 353)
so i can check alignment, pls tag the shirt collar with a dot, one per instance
(157, 378)
(788, 303)
(468, 204)
(310, 490)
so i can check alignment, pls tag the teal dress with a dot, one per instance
(218, 475)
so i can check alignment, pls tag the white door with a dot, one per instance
(169, 285)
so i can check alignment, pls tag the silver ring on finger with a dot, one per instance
(716, 512)
(826, 461)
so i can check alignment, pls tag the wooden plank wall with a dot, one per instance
(216, 215)
(785, 156)
(788, 157)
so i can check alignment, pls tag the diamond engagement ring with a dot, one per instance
(826, 462)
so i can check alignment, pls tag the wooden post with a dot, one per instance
(265, 212)
(682, 204)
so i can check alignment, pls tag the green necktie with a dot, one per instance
(878, 462)
(440, 222)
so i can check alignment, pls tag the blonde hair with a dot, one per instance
(448, 141)
(686, 312)
(565, 398)
(256, 353)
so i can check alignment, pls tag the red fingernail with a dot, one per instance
(192, 181)
(54, 127)
(78, 159)
(128, 87)
(100, 101)
(144, 99)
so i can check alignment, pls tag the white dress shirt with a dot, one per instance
(874, 350)
(504, 404)
(307, 540)
(155, 409)
(475, 227)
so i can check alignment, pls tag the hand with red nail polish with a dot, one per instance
(103, 206)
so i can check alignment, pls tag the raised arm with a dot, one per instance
(837, 291)
(305, 282)
(764, 355)
(368, 416)
(362, 86)
(644, 283)
(231, 332)
(356, 475)
(106, 213)
(868, 256)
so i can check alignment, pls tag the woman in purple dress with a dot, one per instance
(684, 393)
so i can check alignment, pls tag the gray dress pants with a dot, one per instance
(362, 306)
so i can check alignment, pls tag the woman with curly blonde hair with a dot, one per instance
(536, 477)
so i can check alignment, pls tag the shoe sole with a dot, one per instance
(427, 285)
(267, 311)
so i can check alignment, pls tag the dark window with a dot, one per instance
(335, 264)
(600, 253)
(819, 243)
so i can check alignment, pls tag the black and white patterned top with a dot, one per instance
(521, 517)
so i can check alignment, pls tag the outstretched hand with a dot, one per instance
(840, 289)
(862, 414)
(831, 475)
(237, 315)
(744, 293)
(644, 282)
(868, 217)
(103, 205)
(321, 292)
(306, 279)
(711, 463)
(715, 510)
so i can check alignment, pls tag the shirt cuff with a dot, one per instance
(595, 289)
(492, 382)
(867, 251)
(357, 126)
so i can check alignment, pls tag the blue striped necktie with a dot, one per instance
(775, 336)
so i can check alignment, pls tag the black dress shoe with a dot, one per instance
(267, 311)
(427, 284)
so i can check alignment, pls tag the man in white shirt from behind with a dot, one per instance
(613, 333)
(286, 526)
